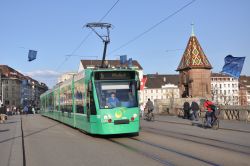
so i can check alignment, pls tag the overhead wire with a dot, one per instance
(86, 37)
(152, 27)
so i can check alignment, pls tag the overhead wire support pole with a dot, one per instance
(104, 38)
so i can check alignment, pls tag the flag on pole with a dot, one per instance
(233, 65)
(130, 63)
(123, 59)
(32, 55)
(143, 82)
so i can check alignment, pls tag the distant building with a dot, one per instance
(160, 87)
(66, 76)
(17, 89)
(224, 89)
(244, 88)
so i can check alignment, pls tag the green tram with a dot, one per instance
(82, 102)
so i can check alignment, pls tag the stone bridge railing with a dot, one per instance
(174, 107)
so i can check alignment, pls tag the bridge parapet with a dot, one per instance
(175, 107)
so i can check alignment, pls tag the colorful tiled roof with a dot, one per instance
(194, 57)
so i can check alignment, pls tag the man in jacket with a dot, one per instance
(209, 112)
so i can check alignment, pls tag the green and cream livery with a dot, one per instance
(82, 102)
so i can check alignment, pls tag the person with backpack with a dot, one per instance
(195, 108)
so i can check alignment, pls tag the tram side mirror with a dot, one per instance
(90, 86)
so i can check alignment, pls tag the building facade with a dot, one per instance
(224, 89)
(19, 90)
(160, 87)
(244, 88)
(66, 76)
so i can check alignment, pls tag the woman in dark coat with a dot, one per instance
(195, 108)
(186, 109)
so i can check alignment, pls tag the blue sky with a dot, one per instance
(55, 29)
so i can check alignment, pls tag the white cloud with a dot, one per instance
(42, 73)
(49, 77)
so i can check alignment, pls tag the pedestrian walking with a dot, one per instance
(195, 108)
(186, 109)
(3, 114)
(142, 109)
(33, 110)
(25, 109)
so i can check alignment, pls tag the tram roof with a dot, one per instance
(112, 63)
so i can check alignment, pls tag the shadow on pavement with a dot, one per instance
(4, 130)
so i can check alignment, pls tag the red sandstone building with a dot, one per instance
(194, 71)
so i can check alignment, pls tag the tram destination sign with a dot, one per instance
(115, 75)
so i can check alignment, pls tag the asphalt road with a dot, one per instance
(11, 153)
(48, 142)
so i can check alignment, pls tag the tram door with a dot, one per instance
(88, 106)
(91, 109)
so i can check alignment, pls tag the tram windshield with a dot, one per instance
(113, 94)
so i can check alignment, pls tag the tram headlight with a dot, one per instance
(135, 115)
(107, 118)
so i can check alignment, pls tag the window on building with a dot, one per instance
(225, 92)
(225, 86)
(152, 91)
(228, 85)
(220, 86)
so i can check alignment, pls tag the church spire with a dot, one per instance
(193, 56)
(192, 25)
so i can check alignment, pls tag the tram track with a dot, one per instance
(23, 145)
(160, 147)
(174, 151)
(200, 140)
(146, 154)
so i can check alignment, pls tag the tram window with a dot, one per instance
(124, 91)
(79, 96)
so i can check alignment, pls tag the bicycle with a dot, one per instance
(149, 116)
(215, 122)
